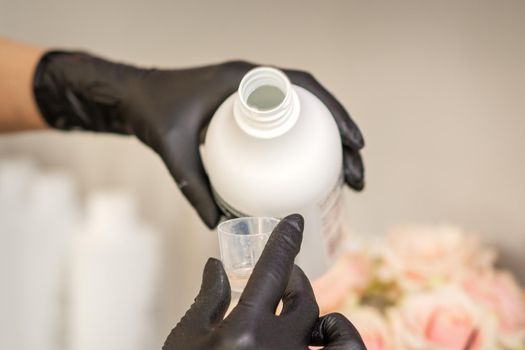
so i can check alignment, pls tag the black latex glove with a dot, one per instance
(165, 109)
(252, 324)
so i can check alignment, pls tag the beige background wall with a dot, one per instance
(436, 86)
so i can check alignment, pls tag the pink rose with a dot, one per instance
(428, 256)
(349, 275)
(442, 319)
(372, 327)
(501, 295)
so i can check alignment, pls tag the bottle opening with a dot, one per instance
(265, 97)
(267, 106)
(264, 89)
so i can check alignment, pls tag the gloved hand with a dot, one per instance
(252, 324)
(165, 109)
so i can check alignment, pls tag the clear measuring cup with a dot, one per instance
(241, 242)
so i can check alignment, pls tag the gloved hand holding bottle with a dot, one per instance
(168, 110)
(253, 324)
(165, 109)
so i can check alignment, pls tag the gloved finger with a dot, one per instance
(187, 169)
(336, 332)
(271, 273)
(299, 305)
(350, 133)
(353, 168)
(210, 304)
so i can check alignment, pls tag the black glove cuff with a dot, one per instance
(72, 93)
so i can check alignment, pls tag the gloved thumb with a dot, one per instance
(209, 307)
(336, 332)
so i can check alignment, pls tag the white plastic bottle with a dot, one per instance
(53, 217)
(114, 271)
(38, 213)
(273, 148)
(16, 176)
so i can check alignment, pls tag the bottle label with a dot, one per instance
(331, 209)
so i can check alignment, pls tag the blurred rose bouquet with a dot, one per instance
(426, 288)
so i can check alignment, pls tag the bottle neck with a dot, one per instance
(266, 105)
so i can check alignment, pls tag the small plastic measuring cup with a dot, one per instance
(241, 242)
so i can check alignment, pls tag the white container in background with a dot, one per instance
(273, 148)
(38, 213)
(114, 270)
(16, 176)
(53, 217)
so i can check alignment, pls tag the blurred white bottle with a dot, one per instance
(41, 215)
(115, 263)
(15, 178)
(53, 219)
(273, 148)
